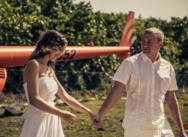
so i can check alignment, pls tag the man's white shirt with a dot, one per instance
(146, 85)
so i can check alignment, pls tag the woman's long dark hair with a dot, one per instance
(49, 41)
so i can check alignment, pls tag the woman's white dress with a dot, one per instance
(37, 122)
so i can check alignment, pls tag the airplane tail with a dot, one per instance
(127, 35)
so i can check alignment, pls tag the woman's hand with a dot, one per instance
(67, 116)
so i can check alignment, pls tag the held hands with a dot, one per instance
(96, 120)
(70, 118)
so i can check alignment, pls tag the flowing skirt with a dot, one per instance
(42, 125)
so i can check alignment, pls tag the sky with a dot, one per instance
(163, 9)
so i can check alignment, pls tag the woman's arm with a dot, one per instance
(72, 102)
(31, 75)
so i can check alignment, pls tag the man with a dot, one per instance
(149, 81)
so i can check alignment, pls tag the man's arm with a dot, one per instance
(173, 108)
(113, 97)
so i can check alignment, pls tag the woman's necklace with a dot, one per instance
(44, 66)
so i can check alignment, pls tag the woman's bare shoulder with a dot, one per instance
(31, 65)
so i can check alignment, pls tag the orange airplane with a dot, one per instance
(12, 56)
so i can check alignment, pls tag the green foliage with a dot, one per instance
(21, 23)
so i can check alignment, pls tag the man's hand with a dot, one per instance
(97, 122)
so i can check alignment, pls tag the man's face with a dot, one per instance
(150, 44)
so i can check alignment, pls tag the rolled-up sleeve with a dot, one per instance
(123, 72)
(173, 84)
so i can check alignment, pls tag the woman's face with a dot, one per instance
(56, 54)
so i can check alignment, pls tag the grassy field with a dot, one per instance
(11, 126)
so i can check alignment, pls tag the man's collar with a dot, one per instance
(146, 58)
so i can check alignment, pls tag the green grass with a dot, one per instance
(11, 126)
(83, 128)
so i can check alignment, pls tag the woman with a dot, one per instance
(41, 85)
